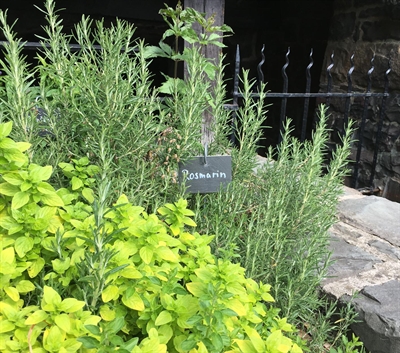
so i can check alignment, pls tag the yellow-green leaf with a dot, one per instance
(23, 245)
(163, 318)
(6, 326)
(71, 305)
(146, 254)
(25, 286)
(106, 313)
(20, 199)
(5, 129)
(88, 195)
(52, 199)
(12, 292)
(36, 317)
(237, 306)
(198, 289)
(76, 183)
(245, 346)
(110, 293)
(167, 254)
(51, 298)
(255, 339)
(134, 302)
(7, 255)
(8, 189)
(63, 322)
(53, 339)
(36, 267)
(130, 272)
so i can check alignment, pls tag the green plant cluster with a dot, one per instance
(98, 112)
(82, 278)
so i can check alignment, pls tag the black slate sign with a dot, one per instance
(206, 174)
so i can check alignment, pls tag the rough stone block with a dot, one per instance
(381, 30)
(378, 308)
(392, 192)
(342, 25)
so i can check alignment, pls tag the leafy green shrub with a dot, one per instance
(81, 277)
(101, 105)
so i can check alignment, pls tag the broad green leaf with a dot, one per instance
(106, 313)
(12, 292)
(25, 286)
(6, 326)
(146, 254)
(76, 183)
(89, 342)
(63, 321)
(60, 266)
(71, 305)
(23, 146)
(93, 329)
(23, 245)
(255, 339)
(134, 302)
(205, 274)
(45, 188)
(7, 255)
(110, 293)
(116, 325)
(163, 318)
(237, 306)
(14, 155)
(36, 267)
(198, 289)
(130, 272)
(277, 343)
(53, 339)
(51, 299)
(167, 254)
(38, 173)
(246, 346)
(20, 199)
(5, 129)
(52, 199)
(36, 317)
(88, 195)
(13, 178)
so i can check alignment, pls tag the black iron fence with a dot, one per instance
(327, 96)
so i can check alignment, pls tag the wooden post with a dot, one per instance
(216, 8)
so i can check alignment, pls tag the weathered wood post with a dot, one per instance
(210, 8)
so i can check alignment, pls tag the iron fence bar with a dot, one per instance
(362, 126)
(349, 89)
(307, 99)
(259, 68)
(380, 124)
(284, 99)
(321, 95)
(329, 78)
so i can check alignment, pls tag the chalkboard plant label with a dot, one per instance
(206, 175)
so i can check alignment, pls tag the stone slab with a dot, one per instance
(378, 309)
(373, 214)
(365, 246)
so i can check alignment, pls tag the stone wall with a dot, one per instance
(366, 28)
